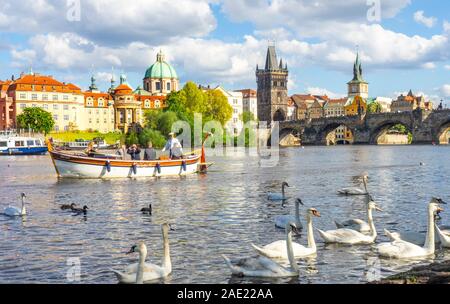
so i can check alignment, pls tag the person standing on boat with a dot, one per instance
(134, 152)
(90, 150)
(149, 152)
(171, 144)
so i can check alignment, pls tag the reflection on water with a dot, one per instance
(222, 212)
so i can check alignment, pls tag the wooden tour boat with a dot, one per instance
(69, 165)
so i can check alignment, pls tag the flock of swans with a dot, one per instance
(349, 232)
(267, 262)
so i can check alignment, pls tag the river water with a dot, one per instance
(222, 212)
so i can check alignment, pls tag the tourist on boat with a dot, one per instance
(171, 144)
(122, 152)
(177, 151)
(134, 152)
(149, 152)
(90, 150)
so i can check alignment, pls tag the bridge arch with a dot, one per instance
(443, 136)
(279, 115)
(343, 134)
(382, 129)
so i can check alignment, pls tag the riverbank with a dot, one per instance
(110, 138)
(436, 273)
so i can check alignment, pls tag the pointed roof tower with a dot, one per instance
(271, 58)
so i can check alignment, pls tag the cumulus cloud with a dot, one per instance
(111, 22)
(445, 90)
(419, 17)
(322, 91)
(447, 67)
(429, 65)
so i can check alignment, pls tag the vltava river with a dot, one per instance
(222, 212)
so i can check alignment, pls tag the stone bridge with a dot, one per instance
(426, 127)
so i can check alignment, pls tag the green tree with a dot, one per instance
(132, 138)
(36, 119)
(217, 107)
(247, 116)
(374, 107)
(157, 139)
(165, 122)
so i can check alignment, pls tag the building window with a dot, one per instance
(66, 128)
(147, 104)
(55, 117)
(65, 97)
(23, 96)
(105, 121)
(23, 106)
(90, 120)
(33, 96)
(46, 106)
(66, 107)
(56, 128)
(66, 117)
(158, 86)
(55, 107)
(55, 97)
(101, 103)
(168, 86)
(90, 103)
(45, 97)
(157, 104)
(98, 121)
(34, 105)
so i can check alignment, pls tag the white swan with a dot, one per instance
(264, 267)
(282, 220)
(444, 237)
(356, 224)
(352, 237)
(15, 211)
(278, 196)
(356, 190)
(400, 249)
(145, 272)
(278, 249)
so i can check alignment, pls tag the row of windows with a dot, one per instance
(45, 106)
(66, 117)
(158, 86)
(54, 97)
(98, 120)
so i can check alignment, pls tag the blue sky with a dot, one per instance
(220, 42)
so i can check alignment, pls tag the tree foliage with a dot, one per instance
(36, 119)
(374, 107)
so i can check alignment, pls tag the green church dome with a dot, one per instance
(161, 69)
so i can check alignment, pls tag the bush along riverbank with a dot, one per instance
(436, 273)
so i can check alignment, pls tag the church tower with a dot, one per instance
(272, 88)
(358, 87)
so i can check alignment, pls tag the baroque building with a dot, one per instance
(161, 78)
(272, 93)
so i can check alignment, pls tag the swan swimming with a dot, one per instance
(147, 210)
(443, 237)
(66, 207)
(356, 190)
(15, 211)
(356, 224)
(145, 272)
(414, 237)
(278, 196)
(282, 220)
(264, 267)
(80, 210)
(400, 249)
(352, 237)
(278, 249)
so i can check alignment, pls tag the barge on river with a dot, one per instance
(13, 144)
(69, 165)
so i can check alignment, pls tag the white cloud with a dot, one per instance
(447, 67)
(420, 17)
(111, 22)
(322, 91)
(445, 90)
(429, 65)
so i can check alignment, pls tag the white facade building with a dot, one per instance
(235, 99)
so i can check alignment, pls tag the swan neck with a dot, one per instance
(167, 263)
(311, 240)
(24, 210)
(140, 271)
(290, 251)
(373, 230)
(430, 241)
